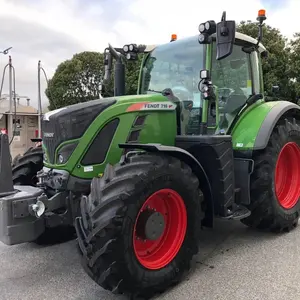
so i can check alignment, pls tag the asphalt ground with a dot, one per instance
(234, 263)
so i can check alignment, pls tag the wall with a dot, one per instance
(3, 121)
(26, 127)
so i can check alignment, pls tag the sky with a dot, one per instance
(54, 30)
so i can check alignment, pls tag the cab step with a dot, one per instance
(239, 212)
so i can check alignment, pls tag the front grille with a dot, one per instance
(70, 123)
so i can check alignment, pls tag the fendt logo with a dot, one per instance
(159, 106)
(48, 134)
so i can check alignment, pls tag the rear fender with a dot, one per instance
(190, 160)
(270, 121)
(253, 130)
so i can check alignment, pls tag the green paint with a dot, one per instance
(141, 74)
(160, 127)
(208, 57)
(246, 129)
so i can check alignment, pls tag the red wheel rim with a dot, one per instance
(287, 175)
(157, 254)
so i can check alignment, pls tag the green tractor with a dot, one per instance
(139, 176)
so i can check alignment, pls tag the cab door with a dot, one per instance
(234, 82)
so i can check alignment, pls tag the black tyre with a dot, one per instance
(122, 251)
(25, 167)
(24, 171)
(275, 182)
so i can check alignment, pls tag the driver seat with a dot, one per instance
(233, 104)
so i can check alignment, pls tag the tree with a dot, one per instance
(76, 80)
(295, 64)
(276, 67)
(79, 80)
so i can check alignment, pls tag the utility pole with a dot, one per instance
(40, 68)
(39, 101)
(10, 70)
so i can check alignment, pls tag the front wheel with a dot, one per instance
(275, 182)
(140, 225)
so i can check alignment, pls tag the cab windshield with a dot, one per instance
(175, 65)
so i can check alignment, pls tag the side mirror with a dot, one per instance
(225, 37)
(275, 89)
(264, 54)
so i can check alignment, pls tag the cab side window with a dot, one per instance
(232, 78)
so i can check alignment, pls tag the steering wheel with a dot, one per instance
(224, 93)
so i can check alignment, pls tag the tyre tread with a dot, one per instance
(263, 215)
(104, 259)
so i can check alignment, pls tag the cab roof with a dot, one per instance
(238, 35)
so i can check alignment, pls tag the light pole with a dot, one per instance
(12, 87)
(40, 68)
(5, 51)
(10, 72)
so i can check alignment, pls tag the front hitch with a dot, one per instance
(18, 210)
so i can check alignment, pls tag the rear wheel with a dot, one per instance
(275, 182)
(140, 225)
(26, 166)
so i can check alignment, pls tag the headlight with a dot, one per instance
(45, 157)
(65, 152)
(60, 159)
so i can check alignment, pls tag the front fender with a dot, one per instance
(253, 130)
(190, 160)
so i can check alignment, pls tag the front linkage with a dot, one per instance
(22, 206)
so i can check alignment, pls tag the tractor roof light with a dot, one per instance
(261, 16)
(201, 28)
(203, 38)
(126, 48)
(131, 56)
(173, 37)
(133, 48)
(208, 27)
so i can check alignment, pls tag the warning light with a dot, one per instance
(173, 37)
(261, 15)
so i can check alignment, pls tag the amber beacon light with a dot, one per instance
(261, 15)
(173, 37)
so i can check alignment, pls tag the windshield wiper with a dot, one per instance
(149, 90)
(165, 92)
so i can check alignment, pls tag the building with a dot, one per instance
(25, 124)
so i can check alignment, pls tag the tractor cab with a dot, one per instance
(236, 80)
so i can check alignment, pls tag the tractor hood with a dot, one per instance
(69, 123)
(94, 107)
